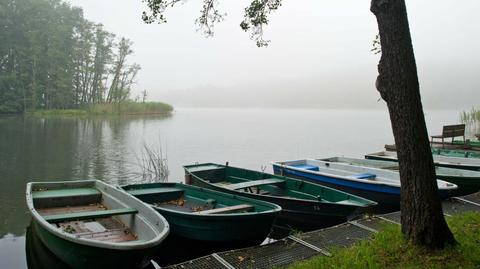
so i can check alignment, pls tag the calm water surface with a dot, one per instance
(108, 148)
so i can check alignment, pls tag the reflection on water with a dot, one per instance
(38, 256)
(61, 149)
(12, 252)
(106, 148)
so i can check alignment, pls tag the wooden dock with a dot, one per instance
(303, 246)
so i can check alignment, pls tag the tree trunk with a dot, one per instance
(422, 218)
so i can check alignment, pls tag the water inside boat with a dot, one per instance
(81, 211)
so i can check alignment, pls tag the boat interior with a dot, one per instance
(85, 213)
(342, 170)
(260, 183)
(355, 171)
(363, 162)
(393, 166)
(166, 196)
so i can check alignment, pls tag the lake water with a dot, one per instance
(108, 148)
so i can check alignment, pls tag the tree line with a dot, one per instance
(51, 57)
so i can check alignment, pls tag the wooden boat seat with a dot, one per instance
(139, 192)
(60, 193)
(62, 197)
(254, 183)
(89, 214)
(228, 209)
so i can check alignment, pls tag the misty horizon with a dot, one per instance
(319, 55)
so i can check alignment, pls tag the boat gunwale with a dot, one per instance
(160, 234)
(444, 185)
(441, 171)
(365, 202)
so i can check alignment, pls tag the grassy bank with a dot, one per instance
(388, 249)
(127, 108)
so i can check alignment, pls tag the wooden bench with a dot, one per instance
(451, 131)
(253, 183)
(89, 215)
(227, 209)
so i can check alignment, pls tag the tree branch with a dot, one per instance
(157, 10)
(208, 17)
(256, 16)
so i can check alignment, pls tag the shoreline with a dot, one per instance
(123, 109)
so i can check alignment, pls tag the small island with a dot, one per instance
(124, 108)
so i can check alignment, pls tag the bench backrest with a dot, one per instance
(453, 130)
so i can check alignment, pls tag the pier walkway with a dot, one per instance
(303, 246)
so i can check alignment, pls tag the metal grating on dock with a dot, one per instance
(207, 262)
(457, 206)
(475, 197)
(302, 246)
(277, 254)
(343, 235)
(392, 217)
(373, 223)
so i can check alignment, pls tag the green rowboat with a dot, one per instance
(441, 161)
(474, 143)
(467, 181)
(305, 205)
(456, 153)
(208, 216)
(90, 224)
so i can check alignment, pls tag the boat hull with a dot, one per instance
(466, 185)
(78, 203)
(468, 181)
(239, 231)
(83, 256)
(384, 195)
(388, 197)
(439, 164)
(296, 213)
(235, 228)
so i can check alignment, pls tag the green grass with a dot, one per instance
(388, 249)
(126, 108)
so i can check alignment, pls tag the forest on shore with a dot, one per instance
(51, 57)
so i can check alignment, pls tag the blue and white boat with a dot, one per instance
(382, 186)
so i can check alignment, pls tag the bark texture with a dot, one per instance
(422, 219)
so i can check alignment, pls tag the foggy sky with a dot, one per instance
(319, 55)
